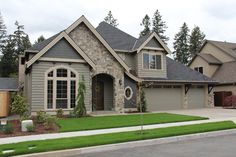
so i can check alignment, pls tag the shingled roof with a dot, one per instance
(8, 84)
(228, 47)
(209, 58)
(226, 73)
(177, 72)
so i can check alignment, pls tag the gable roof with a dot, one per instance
(228, 47)
(53, 42)
(177, 72)
(121, 41)
(100, 38)
(226, 73)
(115, 37)
(210, 59)
(8, 84)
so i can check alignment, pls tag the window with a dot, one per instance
(61, 88)
(151, 61)
(199, 69)
(128, 93)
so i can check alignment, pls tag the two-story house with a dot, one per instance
(115, 66)
(217, 60)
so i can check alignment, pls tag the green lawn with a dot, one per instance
(102, 122)
(85, 141)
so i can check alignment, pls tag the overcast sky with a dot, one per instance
(216, 18)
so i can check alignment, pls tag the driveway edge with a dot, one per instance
(131, 144)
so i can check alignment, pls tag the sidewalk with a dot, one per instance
(9, 140)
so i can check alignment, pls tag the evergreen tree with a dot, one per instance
(80, 109)
(146, 24)
(195, 41)
(111, 20)
(3, 33)
(181, 46)
(159, 26)
(8, 62)
(40, 39)
(143, 103)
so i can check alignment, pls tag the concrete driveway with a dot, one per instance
(212, 113)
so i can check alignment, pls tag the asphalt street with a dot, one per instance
(221, 146)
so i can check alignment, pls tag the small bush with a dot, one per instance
(50, 122)
(8, 129)
(30, 128)
(19, 105)
(60, 113)
(41, 117)
(72, 114)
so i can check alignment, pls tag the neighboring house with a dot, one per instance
(115, 65)
(217, 60)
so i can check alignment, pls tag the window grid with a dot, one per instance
(152, 61)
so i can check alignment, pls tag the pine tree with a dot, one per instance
(146, 24)
(3, 33)
(181, 46)
(159, 26)
(8, 62)
(80, 109)
(111, 20)
(195, 41)
(40, 39)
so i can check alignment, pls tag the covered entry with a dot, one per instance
(102, 92)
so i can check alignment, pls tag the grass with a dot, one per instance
(102, 122)
(94, 140)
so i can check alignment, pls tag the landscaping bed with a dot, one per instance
(103, 122)
(39, 129)
(94, 140)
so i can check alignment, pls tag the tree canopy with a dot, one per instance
(146, 24)
(111, 20)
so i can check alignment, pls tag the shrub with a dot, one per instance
(41, 117)
(142, 103)
(50, 122)
(19, 105)
(80, 109)
(8, 128)
(60, 113)
(30, 128)
(72, 114)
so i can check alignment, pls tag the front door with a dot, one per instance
(98, 95)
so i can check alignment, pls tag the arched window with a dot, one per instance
(61, 85)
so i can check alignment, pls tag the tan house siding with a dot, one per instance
(208, 70)
(128, 58)
(216, 52)
(226, 88)
(162, 73)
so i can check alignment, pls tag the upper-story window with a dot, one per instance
(199, 69)
(151, 61)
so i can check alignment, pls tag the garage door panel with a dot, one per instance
(196, 98)
(163, 98)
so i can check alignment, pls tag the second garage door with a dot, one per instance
(163, 98)
(196, 97)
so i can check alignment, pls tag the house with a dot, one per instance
(217, 60)
(114, 65)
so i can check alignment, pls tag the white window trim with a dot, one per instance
(131, 92)
(55, 78)
(152, 53)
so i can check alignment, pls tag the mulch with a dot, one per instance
(39, 129)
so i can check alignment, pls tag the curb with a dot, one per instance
(109, 147)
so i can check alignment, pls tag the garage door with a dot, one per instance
(196, 98)
(163, 98)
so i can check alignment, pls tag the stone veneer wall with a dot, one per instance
(105, 62)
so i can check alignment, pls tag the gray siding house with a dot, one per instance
(115, 66)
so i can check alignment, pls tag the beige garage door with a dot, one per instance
(196, 98)
(163, 98)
